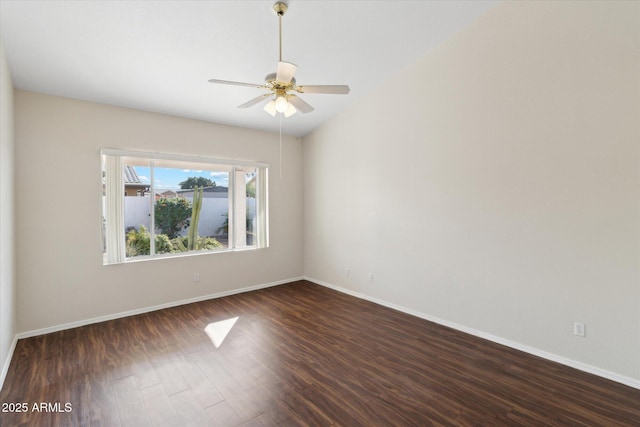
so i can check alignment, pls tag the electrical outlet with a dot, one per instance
(371, 277)
(196, 277)
(346, 271)
(578, 329)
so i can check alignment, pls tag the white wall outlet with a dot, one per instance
(578, 329)
(346, 271)
(196, 277)
(371, 277)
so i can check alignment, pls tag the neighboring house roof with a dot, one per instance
(132, 180)
(131, 176)
(213, 192)
(215, 189)
(212, 189)
(168, 194)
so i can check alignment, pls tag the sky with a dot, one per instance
(169, 178)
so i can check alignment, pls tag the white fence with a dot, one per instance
(137, 211)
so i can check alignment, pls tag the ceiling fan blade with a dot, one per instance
(330, 89)
(285, 73)
(254, 101)
(228, 82)
(300, 104)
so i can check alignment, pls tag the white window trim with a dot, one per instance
(179, 157)
(114, 189)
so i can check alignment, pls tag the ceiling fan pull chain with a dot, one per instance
(280, 147)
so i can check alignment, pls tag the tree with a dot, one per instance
(199, 181)
(172, 215)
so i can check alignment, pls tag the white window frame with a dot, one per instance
(113, 209)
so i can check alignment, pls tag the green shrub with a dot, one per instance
(163, 244)
(172, 215)
(208, 243)
(139, 243)
(203, 243)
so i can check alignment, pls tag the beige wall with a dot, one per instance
(59, 251)
(494, 184)
(7, 218)
(7, 247)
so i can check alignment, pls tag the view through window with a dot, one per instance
(174, 205)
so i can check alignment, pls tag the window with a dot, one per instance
(159, 205)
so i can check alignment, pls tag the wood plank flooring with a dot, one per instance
(297, 355)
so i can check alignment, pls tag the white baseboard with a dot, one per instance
(148, 309)
(7, 362)
(631, 382)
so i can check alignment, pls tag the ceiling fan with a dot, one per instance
(282, 86)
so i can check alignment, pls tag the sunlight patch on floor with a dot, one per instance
(218, 331)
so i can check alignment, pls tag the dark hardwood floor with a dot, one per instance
(297, 355)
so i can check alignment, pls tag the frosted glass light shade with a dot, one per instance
(281, 104)
(271, 108)
(291, 110)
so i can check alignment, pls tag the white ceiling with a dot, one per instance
(158, 55)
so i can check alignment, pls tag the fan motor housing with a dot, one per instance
(271, 79)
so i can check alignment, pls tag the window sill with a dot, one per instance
(144, 258)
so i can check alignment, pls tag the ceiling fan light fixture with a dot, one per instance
(282, 85)
(281, 104)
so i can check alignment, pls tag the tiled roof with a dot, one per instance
(131, 176)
